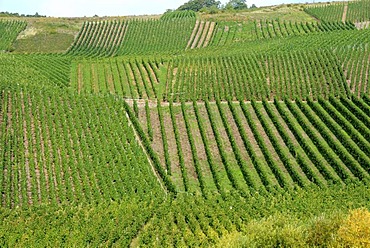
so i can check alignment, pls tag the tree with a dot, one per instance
(236, 4)
(197, 5)
(253, 6)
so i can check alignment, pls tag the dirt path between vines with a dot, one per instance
(195, 30)
(198, 35)
(137, 137)
(27, 153)
(80, 78)
(210, 33)
(345, 13)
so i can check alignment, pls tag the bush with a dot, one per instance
(323, 229)
(275, 231)
(355, 230)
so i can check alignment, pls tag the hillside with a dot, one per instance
(240, 128)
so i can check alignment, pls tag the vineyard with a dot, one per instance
(354, 11)
(9, 31)
(249, 129)
(215, 147)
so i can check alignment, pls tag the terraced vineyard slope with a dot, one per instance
(240, 128)
(9, 31)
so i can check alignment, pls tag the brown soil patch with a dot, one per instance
(146, 81)
(79, 78)
(109, 77)
(204, 34)
(142, 118)
(95, 82)
(196, 39)
(193, 34)
(157, 143)
(362, 25)
(172, 148)
(236, 133)
(151, 71)
(366, 80)
(201, 153)
(131, 80)
(210, 33)
(268, 143)
(210, 136)
(185, 146)
(140, 83)
(344, 16)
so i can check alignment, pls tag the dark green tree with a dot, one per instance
(236, 4)
(197, 5)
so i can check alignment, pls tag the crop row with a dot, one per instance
(9, 31)
(265, 146)
(302, 75)
(57, 148)
(357, 11)
(136, 79)
(275, 28)
(201, 35)
(99, 38)
(257, 76)
(132, 37)
(356, 63)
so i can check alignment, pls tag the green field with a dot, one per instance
(235, 129)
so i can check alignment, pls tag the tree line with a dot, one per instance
(213, 5)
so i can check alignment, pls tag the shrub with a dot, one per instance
(322, 231)
(355, 230)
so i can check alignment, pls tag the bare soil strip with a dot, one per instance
(362, 25)
(193, 34)
(345, 13)
(95, 81)
(200, 30)
(185, 146)
(80, 79)
(109, 76)
(224, 181)
(142, 147)
(172, 150)
(210, 33)
(204, 34)
(157, 143)
(151, 71)
(366, 81)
